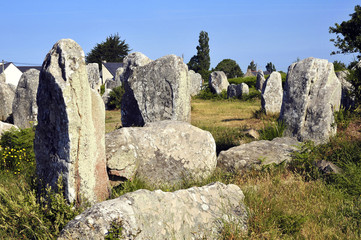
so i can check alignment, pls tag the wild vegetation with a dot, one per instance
(287, 201)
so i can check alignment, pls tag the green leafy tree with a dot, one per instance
(270, 67)
(351, 32)
(201, 62)
(339, 66)
(252, 66)
(230, 68)
(112, 50)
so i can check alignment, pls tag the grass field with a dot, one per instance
(285, 202)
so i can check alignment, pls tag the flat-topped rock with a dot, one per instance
(193, 213)
(256, 154)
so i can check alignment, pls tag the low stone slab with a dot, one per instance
(161, 153)
(256, 154)
(5, 127)
(194, 213)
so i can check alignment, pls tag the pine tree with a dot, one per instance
(270, 67)
(201, 62)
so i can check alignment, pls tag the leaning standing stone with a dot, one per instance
(69, 139)
(25, 109)
(94, 76)
(194, 213)
(312, 94)
(260, 80)
(7, 95)
(272, 94)
(218, 82)
(157, 91)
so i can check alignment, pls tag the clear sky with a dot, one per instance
(278, 31)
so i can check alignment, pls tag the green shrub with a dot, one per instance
(272, 130)
(16, 151)
(250, 81)
(102, 89)
(115, 98)
(206, 94)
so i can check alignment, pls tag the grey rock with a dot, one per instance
(6, 127)
(7, 95)
(2, 78)
(242, 89)
(70, 135)
(312, 94)
(347, 98)
(256, 154)
(260, 80)
(110, 84)
(232, 91)
(218, 82)
(106, 98)
(24, 108)
(196, 83)
(94, 76)
(157, 91)
(327, 167)
(130, 62)
(161, 153)
(272, 94)
(193, 213)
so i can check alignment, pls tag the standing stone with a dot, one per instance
(232, 91)
(218, 82)
(2, 78)
(242, 89)
(347, 99)
(7, 95)
(106, 98)
(196, 82)
(157, 91)
(110, 84)
(194, 213)
(69, 139)
(272, 94)
(94, 76)
(25, 109)
(312, 94)
(161, 153)
(130, 62)
(260, 80)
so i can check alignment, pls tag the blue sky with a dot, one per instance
(278, 31)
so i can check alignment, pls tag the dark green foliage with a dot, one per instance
(252, 66)
(201, 62)
(115, 98)
(289, 224)
(206, 94)
(230, 68)
(112, 50)
(250, 81)
(338, 66)
(102, 89)
(270, 67)
(115, 231)
(272, 130)
(350, 42)
(352, 64)
(355, 79)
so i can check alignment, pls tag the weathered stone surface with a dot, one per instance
(69, 139)
(272, 94)
(196, 82)
(327, 167)
(2, 78)
(218, 82)
(110, 84)
(6, 127)
(193, 213)
(347, 100)
(260, 80)
(160, 153)
(312, 94)
(242, 89)
(232, 91)
(24, 108)
(256, 154)
(7, 95)
(157, 91)
(106, 97)
(130, 62)
(94, 76)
